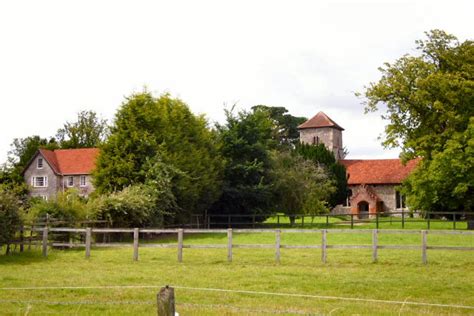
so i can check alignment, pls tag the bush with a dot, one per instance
(135, 206)
(67, 207)
(9, 216)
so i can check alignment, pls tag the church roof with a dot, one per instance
(378, 171)
(318, 121)
(71, 161)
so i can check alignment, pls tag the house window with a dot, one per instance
(39, 163)
(70, 181)
(39, 182)
(400, 200)
(82, 181)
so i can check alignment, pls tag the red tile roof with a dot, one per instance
(318, 121)
(71, 161)
(378, 171)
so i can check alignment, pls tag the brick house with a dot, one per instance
(373, 183)
(50, 171)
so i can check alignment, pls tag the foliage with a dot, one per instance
(446, 181)
(300, 185)
(428, 98)
(135, 206)
(429, 101)
(88, 131)
(67, 206)
(320, 155)
(149, 129)
(246, 138)
(9, 215)
(286, 125)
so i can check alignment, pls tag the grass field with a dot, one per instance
(398, 276)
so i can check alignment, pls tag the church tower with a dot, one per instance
(322, 129)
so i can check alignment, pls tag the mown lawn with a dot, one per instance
(399, 275)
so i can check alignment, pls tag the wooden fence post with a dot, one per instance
(352, 221)
(45, 242)
(22, 238)
(424, 246)
(229, 245)
(165, 301)
(180, 245)
(323, 246)
(327, 220)
(374, 245)
(376, 220)
(277, 245)
(88, 241)
(136, 234)
(403, 219)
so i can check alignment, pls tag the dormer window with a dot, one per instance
(39, 163)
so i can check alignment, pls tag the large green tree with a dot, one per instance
(285, 125)
(428, 101)
(325, 159)
(148, 130)
(246, 138)
(301, 186)
(88, 131)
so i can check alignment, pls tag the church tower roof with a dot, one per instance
(320, 120)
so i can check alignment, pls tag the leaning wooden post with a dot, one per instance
(22, 238)
(374, 245)
(277, 245)
(135, 243)
(45, 242)
(424, 246)
(165, 300)
(88, 241)
(180, 245)
(229, 245)
(323, 245)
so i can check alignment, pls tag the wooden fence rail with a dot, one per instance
(230, 245)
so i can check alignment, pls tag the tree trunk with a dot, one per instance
(292, 220)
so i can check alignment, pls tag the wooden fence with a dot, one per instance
(180, 245)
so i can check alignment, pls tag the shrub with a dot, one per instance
(9, 216)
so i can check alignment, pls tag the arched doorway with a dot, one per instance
(363, 209)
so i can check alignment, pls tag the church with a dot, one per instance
(372, 183)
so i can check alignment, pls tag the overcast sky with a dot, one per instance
(60, 57)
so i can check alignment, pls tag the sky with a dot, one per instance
(60, 57)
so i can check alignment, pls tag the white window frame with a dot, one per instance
(82, 181)
(34, 182)
(38, 166)
(69, 183)
(44, 197)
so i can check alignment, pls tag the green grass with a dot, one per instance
(399, 275)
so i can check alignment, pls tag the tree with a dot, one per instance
(446, 181)
(286, 125)
(22, 151)
(428, 97)
(300, 185)
(324, 158)
(149, 129)
(428, 101)
(246, 138)
(9, 216)
(88, 131)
